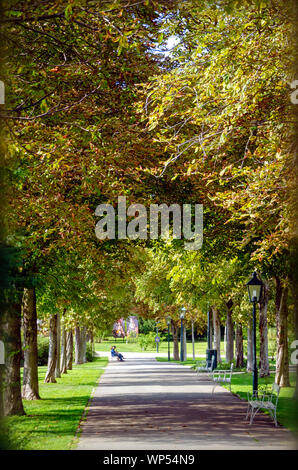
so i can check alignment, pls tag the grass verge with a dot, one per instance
(51, 423)
(287, 409)
(122, 346)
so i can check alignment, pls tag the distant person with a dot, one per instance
(119, 356)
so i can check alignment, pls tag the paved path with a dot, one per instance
(145, 404)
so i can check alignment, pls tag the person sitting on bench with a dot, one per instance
(119, 356)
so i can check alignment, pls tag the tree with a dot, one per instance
(30, 373)
(263, 327)
(63, 365)
(10, 329)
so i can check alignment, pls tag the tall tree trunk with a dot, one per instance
(230, 333)
(11, 335)
(175, 341)
(249, 366)
(63, 364)
(92, 343)
(294, 291)
(2, 366)
(1, 390)
(263, 327)
(57, 371)
(282, 359)
(30, 372)
(193, 340)
(239, 346)
(50, 375)
(216, 329)
(78, 346)
(69, 349)
(83, 345)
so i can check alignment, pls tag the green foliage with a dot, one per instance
(147, 340)
(43, 350)
(89, 353)
(146, 325)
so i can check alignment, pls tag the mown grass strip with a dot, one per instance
(51, 423)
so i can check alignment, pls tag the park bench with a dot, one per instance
(205, 366)
(263, 401)
(222, 377)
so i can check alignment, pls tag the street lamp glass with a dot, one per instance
(168, 320)
(254, 287)
(183, 310)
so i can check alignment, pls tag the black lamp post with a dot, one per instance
(157, 323)
(168, 323)
(254, 287)
(182, 314)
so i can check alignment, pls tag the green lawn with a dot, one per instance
(287, 409)
(51, 423)
(222, 365)
(200, 346)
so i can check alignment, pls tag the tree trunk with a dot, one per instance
(294, 291)
(69, 349)
(263, 327)
(193, 340)
(92, 343)
(1, 390)
(249, 366)
(175, 341)
(216, 329)
(50, 375)
(78, 346)
(83, 345)
(57, 370)
(63, 364)
(239, 346)
(11, 335)
(230, 333)
(30, 372)
(282, 356)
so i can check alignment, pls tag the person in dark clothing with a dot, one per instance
(120, 357)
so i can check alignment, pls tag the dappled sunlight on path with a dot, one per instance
(145, 404)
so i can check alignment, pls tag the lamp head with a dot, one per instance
(254, 287)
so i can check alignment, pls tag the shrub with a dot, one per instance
(42, 350)
(227, 365)
(89, 353)
(146, 341)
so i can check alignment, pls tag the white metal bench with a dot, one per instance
(263, 401)
(205, 366)
(222, 377)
